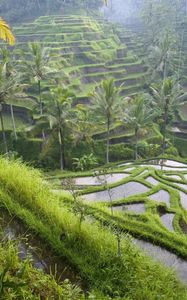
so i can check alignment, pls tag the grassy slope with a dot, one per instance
(22, 281)
(92, 249)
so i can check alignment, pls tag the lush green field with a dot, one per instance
(91, 248)
(148, 223)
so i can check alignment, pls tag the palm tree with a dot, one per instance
(12, 79)
(11, 91)
(60, 116)
(6, 33)
(168, 96)
(138, 116)
(161, 56)
(106, 104)
(85, 126)
(38, 67)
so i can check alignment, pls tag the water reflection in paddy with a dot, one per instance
(164, 256)
(101, 179)
(138, 208)
(183, 199)
(168, 163)
(181, 185)
(152, 180)
(161, 196)
(122, 191)
(167, 220)
(173, 176)
(41, 255)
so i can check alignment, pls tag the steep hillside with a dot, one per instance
(89, 50)
(92, 48)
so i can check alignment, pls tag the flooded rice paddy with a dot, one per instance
(100, 179)
(137, 208)
(183, 199)
(161, 196)
(167, 220)
(165, 257)
(152, 180)
(119, 192)
(30, 245)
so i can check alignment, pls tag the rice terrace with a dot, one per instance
(93, 150)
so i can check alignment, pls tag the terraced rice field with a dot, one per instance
(89, 49)
(149, 202)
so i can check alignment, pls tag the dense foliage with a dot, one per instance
(17, 11)
(76, 92)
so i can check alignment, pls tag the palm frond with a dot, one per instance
(6, 33)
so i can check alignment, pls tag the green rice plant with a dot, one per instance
(93, 249)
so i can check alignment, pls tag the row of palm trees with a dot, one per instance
(141, 111)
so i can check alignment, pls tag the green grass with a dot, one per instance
(23, 281)
(93, 249)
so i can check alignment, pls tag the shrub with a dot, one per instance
(120, 152)
(172, 151)
(154, 150)
(28, 149)
(86, 162)
(155, 140)
(143, 149)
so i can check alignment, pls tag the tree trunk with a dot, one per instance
(3, 133)
(136, 144)
(165, 69)
(41, 106)
(61, 150)
(110, 198)
(108, 141)
(164, 127)
(13, 122)
(40, 97)
(119, 246)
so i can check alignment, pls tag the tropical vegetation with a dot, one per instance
(93, 159)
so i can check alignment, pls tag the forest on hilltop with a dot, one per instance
(17, 11)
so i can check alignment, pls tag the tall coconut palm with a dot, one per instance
(6, 33)
(168, 96)
(36, 69)
(85, 126)
(60, 115)
(13, 77)
(11, 91)
(106, 103)
(161, 56)
(138, 116)
(9, 72)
